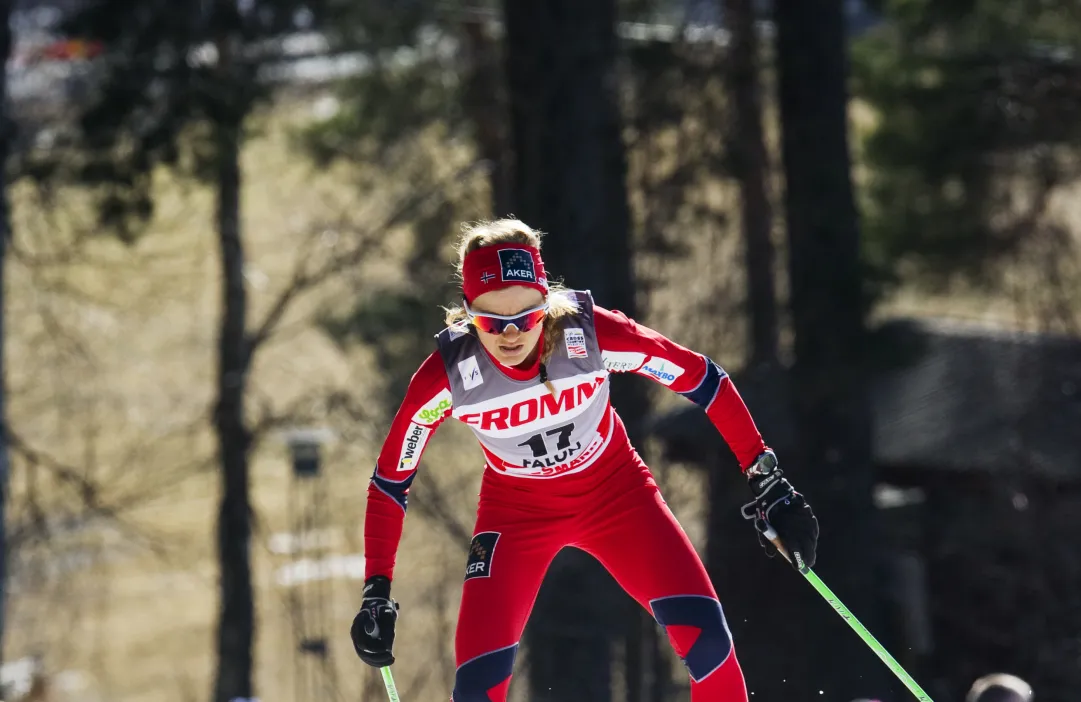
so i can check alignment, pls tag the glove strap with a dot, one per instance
(377, 586)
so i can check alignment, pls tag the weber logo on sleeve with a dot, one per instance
(413, 446)
(516, 265)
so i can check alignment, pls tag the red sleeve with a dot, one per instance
(427, 403)
(630, 347)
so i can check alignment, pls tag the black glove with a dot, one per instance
(373, 627)
(779, 506)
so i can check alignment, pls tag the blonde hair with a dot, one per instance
(513, 231)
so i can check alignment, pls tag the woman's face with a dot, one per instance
(512, 347)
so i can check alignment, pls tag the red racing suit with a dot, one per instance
(575, 480)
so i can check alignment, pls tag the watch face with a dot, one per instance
(766, 464)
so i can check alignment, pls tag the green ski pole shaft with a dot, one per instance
(870, 640)
(388, 680)
(860, 629)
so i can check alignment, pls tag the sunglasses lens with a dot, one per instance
(492, 325)
(528, 321)
(488, 325)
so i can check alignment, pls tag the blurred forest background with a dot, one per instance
(228, 233)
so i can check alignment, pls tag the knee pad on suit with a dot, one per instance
(476, 678)
(697, 628)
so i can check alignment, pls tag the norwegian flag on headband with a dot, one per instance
(493, 267)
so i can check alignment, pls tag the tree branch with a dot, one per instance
(304, 279)
(85, 489)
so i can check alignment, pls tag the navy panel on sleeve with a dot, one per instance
(707, 389)
(394, 489)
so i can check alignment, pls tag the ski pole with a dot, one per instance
(388, 680)
(860, 629)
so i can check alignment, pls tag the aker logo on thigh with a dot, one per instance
(481, 551)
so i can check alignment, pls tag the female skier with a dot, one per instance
(525, 363)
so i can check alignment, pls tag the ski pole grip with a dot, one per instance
(771, 534)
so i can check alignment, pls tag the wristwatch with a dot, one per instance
(765, 464)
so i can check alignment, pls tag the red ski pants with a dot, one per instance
(622, 521)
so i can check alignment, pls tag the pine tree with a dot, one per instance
(174, 89)
(570, 182)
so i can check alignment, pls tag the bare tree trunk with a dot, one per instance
(830, 399)
(730, 541)
(486, 108)
(747, 149)
(570, 181)
(5, 237)
(236, 623)
(570, 163)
